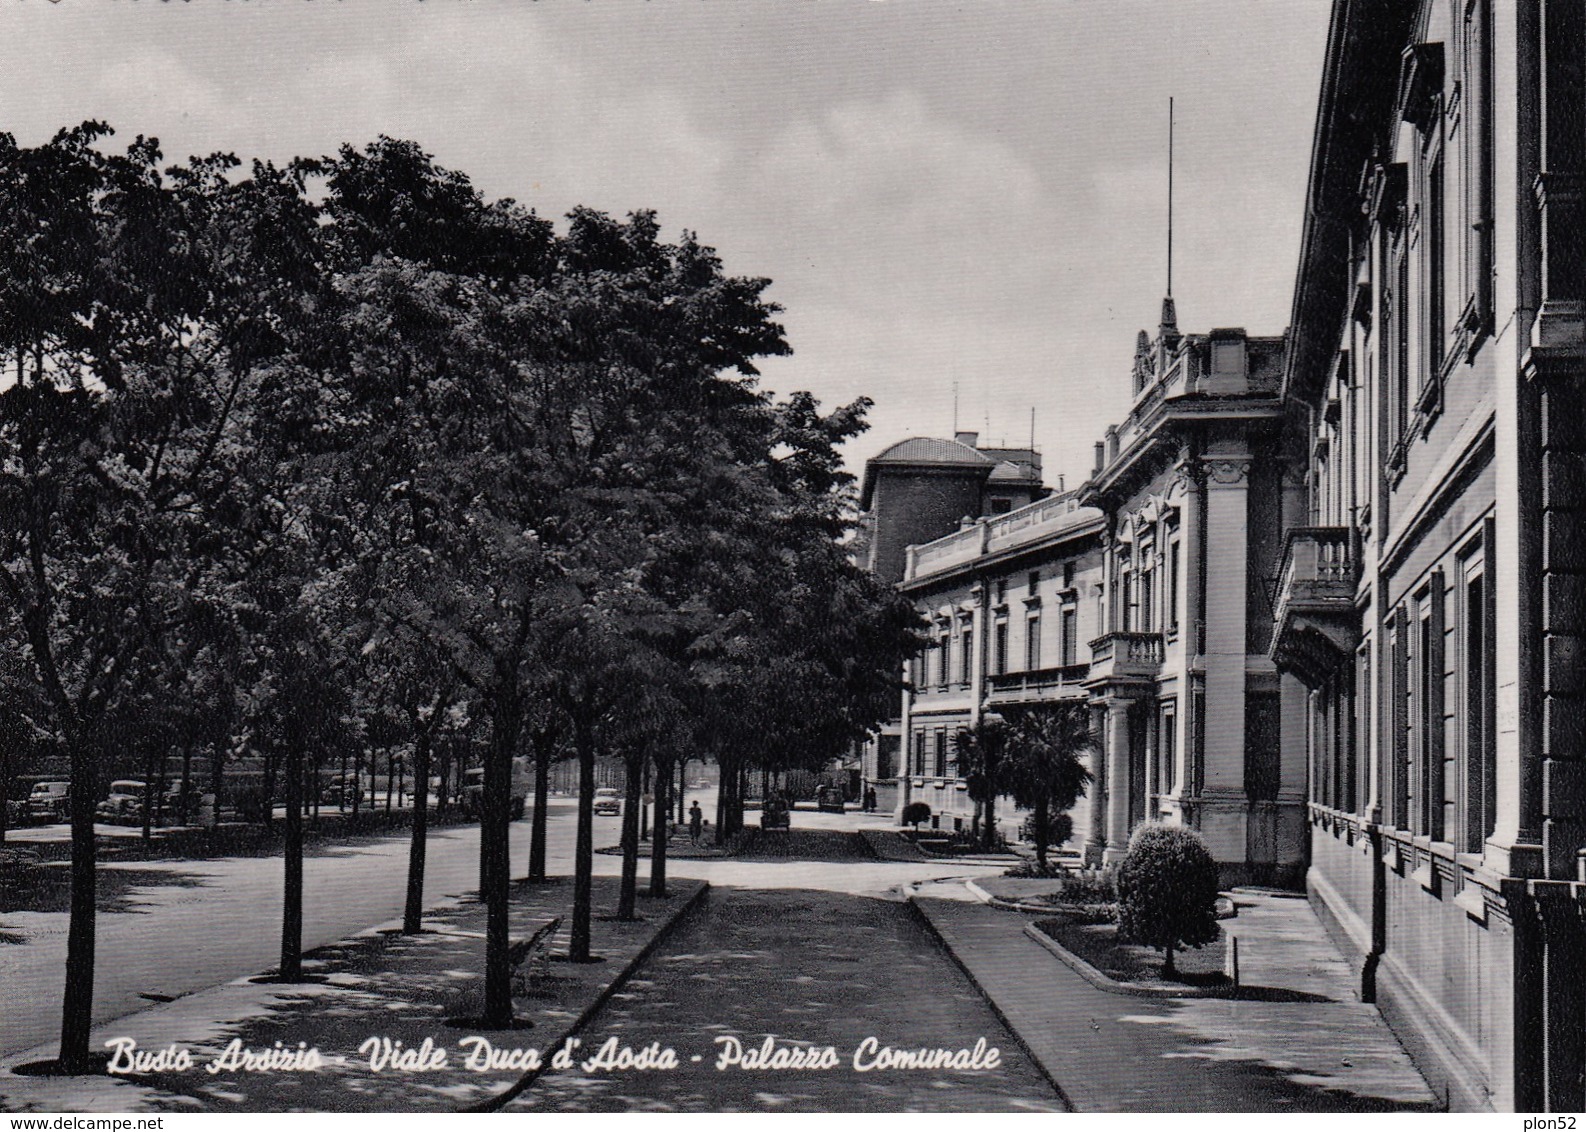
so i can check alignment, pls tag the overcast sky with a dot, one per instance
(969, 192)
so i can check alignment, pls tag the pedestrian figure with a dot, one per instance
(696, 823)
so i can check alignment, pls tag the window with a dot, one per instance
(1433, 233)
(1126, 600)
(1001, 506)
(966, 644)
(1401, 342)
(1001, 591)
(1068, 575)
(943, 658)
(1428, 720)
(1363, 721)
(886, 756)
(1033, 581)
(1069, 642)
(1476, 113)
(1147, 601)
(1398, 720)
(1032, 642)
(939, 768)
(1167, 749)
(1480, 697)
(999, 651)
(1172, 586)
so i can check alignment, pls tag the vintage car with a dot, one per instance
(50, 802)
(125, 804)
(608, 802)
(829, 800)
(775, 815)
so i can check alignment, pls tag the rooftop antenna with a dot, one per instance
(1170, 196)
(1032, 429)
(955, 409)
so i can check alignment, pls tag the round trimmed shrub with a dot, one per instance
(1167, 890)
(916, 812)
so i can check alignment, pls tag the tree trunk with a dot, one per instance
(660, 837)
(723, 787)
(292, 904)
(584, 849)
(631, 801)
(644, 807)
(413, 912)
(988, 830)
(1167, 964)
(682, 790)
(77, 1004)
(185, 804)
(148, 797)
(494, 863)
(269, 789)
(1040, 833)
(542, 797)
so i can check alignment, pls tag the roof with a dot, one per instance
(1009, 472)
(931, 450)
(922, 451)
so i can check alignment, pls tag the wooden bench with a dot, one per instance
(530, 958)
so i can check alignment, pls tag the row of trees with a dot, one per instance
(293, 453)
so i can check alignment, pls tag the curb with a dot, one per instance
(524, 1083)
(1035, 1060)
(1104, 982)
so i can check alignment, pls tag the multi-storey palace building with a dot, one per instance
(1434, 598)
(1326, 594)
(1133, 595)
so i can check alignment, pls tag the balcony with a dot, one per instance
(1125, 657)
(1316, 626)
(1036, 684)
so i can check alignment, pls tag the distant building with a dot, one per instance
(916, 491)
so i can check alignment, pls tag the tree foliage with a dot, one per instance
(1167, 890)
(271, 435)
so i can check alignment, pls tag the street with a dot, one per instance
(186, 925)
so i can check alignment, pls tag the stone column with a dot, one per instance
(1117, 779)
(1096, 841)
(1225, 807)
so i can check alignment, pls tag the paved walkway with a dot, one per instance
(1297, 1040)
(804, 968)
(376, 986)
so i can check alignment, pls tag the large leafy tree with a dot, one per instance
(138, 309)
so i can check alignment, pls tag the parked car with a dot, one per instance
(50, 802)
(829, 800)
(775, 815)
(607, 802)
(125, 804)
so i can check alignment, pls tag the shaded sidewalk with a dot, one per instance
(1298, 1040)
(378, 985)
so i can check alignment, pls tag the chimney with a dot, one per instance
(970, 438)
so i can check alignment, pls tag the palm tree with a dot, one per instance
(1042, 767)
(980, 757)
